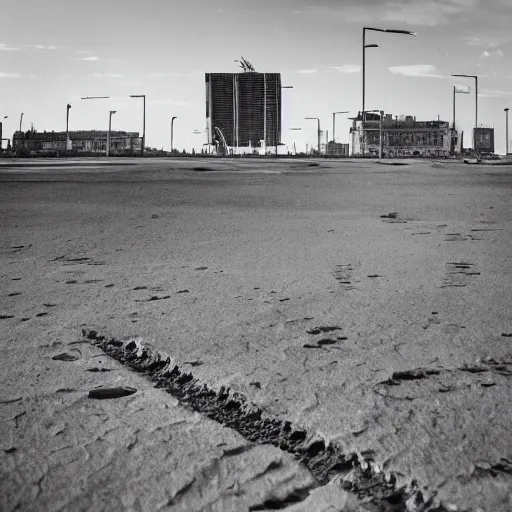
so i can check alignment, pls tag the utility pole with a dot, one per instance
(318, 131)
(381, 142)
(278, 112)
(21, 120)
(109, 129)
(172, 131)
(506, 130)
(143, 96)
(389, 30)
(476, 104)
(334, 126)
(67, 128)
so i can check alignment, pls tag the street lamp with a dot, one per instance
(67, 128)
(294, 147)
(318, 120)
(334, 127)
(143, 96)
(109, 128)
(506, 129)
(21, 120)
(278, 114)
(1, 134)
(476, 95)
(389, 30)
(381, 115)
(95, 98)
(172, 131)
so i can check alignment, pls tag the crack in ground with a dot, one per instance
(358, 474)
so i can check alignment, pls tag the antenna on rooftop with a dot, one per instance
(245, 65)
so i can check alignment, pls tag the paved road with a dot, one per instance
(226, 266)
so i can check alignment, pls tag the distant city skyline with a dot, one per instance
(56, 52)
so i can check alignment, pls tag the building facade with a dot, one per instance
(243, 110)
(402, 136)
(86, 141)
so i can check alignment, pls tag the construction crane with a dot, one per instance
(245, 65)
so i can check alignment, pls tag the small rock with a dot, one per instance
(182, 291)
(326, 341)
(105, 393)
(42, 314)
(66, 356)
(3, 317)
(201, 268)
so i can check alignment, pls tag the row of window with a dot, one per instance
(407, 138)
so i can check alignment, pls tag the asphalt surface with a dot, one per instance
(226, 266)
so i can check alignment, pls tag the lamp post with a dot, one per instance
(1, 133)
(278, 114)
(334, 127)
(476, 102)
(298, 130)
(21, 120)
(143, 96)
(318, 131)
(388, 30)
(506, 130)
(109, 129)
(67, 128)
(172, 132)
(381, 115)
(97, 98)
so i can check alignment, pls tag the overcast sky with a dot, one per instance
(56, 51)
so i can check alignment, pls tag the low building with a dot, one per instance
(336, 149)
(85, 141)
(483, 140)
(402, 136)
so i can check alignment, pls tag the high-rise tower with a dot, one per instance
(244, 107)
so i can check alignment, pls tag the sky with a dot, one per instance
(54, 52)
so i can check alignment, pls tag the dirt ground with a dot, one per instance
(236, 269)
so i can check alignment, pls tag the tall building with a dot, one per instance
(243, 110)
(402, 136)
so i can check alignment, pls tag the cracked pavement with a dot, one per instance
(228, 271)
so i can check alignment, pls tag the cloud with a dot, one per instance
(91, 58)
(490, 53)
(428, 13)
(9, 75)
(107, 75)
(347, 68)
(418, 70)
(489, 93)
(168, 73)
(307, 71)
(8, 48)
(169, 102)
(43, 47)
(412, 12)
